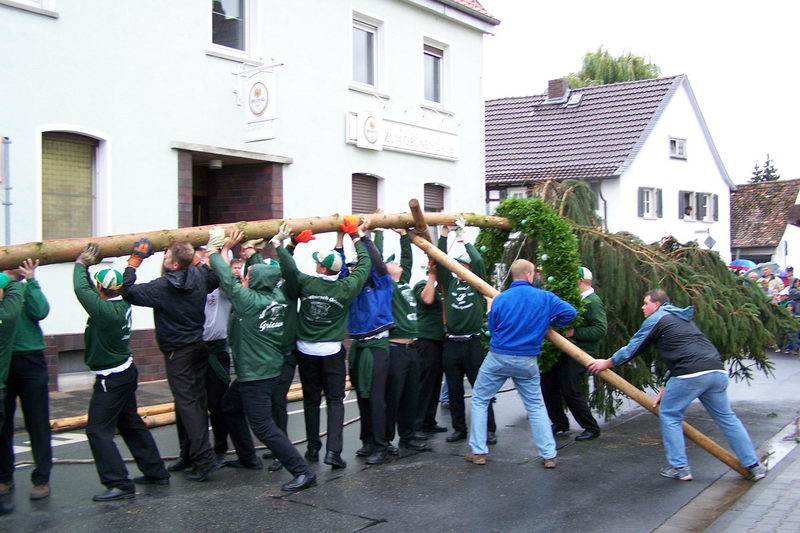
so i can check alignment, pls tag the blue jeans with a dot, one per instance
(712, 390)
(524, 371)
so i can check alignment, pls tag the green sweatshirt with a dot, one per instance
(29, 336)
(404, 304)
(593, 325)
(10, 311)
(108, 330)
(324, 304)
(259, 313)
(429, 317)
(463, 305)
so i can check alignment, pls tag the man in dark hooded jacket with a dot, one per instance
(178, 299)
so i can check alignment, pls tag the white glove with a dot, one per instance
(216, 239)
(460, 224)
(256, 244)
(284, 232)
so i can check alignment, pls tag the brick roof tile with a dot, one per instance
(760, 212)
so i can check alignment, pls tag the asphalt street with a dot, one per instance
(606, 485)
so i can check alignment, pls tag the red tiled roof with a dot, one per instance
(472, 6)
(760, 212)
(529, 140)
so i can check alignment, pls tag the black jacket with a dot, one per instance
(178, 299)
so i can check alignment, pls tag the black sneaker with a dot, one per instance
(200, 473)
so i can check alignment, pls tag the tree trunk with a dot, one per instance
(66, 250)
(584, 359)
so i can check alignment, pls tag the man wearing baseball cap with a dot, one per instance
(324, 304)
(113, 403)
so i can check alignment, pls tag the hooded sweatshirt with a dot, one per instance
(259, 312)
(29, 336)
(10, 309)
(178, 299)
(679, 342)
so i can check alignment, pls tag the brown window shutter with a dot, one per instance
(365, 193)
(434, 198)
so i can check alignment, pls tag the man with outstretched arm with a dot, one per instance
(113, 404)
(178, 299)
(518, 321)
(695, 370)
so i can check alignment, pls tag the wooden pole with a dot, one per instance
(66, 250)
(609, 376)
(420, 225)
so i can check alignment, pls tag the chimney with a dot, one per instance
(557, 89)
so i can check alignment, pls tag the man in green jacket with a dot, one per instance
(260, 309)
(12, 298)
(464, 313)
(564, 382)
(324, 304)
(27, 379)
(113, 404)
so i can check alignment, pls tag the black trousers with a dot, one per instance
(113, 405)
(463, 358)
(186, 375)
(402, 390)
(431, 370)
(281, 389)
(563, 384)
(318, 374)
(373, 409)
(27, 380)
(250, 402)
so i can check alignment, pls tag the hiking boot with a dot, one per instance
(40, 492)
(758, 471)
(683, 473)
(549, 463)
(476, 458)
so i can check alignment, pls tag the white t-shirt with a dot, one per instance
(218, 311)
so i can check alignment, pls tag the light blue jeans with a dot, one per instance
(524, 371)
(712, 390)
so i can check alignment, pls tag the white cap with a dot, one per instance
(585, 273)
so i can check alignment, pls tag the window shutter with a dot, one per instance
(434, 198)
(715, 203)
(641, 202)
(365, 193)
(681, 204)
(659, 210)
(698, 206)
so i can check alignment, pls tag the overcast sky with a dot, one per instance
(742, 60)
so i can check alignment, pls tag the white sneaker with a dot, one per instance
(683, 473)
(757, 472)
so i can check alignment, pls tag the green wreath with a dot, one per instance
(541, 236)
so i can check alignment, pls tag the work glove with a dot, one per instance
(255, 244)
(284, 232)
(304, 236)
(142, 249)
(460, 224)
(349, 225)
(216, 239)
(90, 255)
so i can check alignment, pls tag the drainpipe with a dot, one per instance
(6, 180)
(605, 205)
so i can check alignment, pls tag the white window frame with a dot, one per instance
(649, 207)
(517, 192)
(252, 37)
(709, 207)
(40, 7)
(444, 73)
(379, 27)
(691, 203)
(677, 148)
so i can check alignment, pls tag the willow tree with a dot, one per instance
(732, 311)
(601, 67)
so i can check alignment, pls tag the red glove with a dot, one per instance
(349, 225)
(304, 236)
(142, 249)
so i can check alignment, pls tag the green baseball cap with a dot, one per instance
(329, 259)
(109, 279)
(5, 279)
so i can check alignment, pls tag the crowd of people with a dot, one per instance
(783, 289)
(268, 318)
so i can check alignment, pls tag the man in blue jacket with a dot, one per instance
(518, 321)
(695, 370)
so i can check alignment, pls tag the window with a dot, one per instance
(367, 46)
(365, 193)
(649, 202)
(433, 59)
(677, 148)
(517, 192)
(687, 205)
(229, 24)
(707, 206)
(434, 198)
(494, 196)
(68, 188)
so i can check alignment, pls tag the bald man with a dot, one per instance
(518, 321)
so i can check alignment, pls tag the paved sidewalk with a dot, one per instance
(772, 505)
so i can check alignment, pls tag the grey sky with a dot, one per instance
(740, 57)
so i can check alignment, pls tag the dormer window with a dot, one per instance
(677, 148)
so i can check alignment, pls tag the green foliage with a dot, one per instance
(600, 68)
(768, 173)
(541, 236)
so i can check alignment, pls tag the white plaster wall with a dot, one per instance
(653, 167)
(137, 76)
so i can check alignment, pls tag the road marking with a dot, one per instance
(59, 439)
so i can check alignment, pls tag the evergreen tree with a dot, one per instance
(768, 173)
(600, 68)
